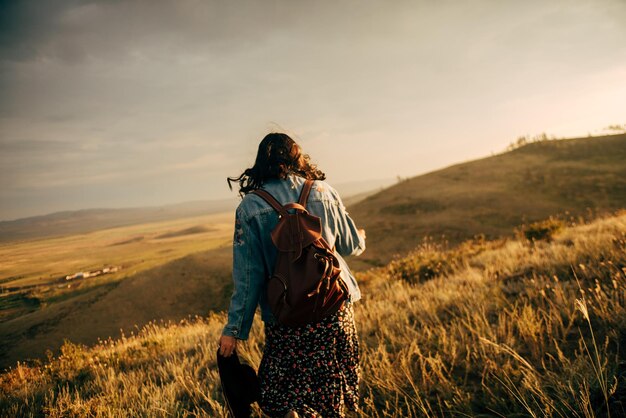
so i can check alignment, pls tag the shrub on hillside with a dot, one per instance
(426, 262)
(543, 230)
(431, 259)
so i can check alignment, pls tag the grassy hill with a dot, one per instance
(489, 328)
(493, 195)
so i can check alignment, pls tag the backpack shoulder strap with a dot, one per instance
(271, 200)
(304, 194)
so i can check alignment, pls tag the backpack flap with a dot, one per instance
(296, 231)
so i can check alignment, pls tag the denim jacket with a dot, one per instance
(254, 253)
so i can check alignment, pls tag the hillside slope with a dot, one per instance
(192, 285)
(493, 195)
(510, 329)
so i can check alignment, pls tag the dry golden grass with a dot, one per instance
(501, 328)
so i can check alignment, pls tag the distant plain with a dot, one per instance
(168, 269)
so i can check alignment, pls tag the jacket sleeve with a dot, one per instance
(248, 276)
(349, 241)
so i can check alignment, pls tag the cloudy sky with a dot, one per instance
(130, 103)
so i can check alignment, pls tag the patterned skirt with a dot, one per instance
(312, 369)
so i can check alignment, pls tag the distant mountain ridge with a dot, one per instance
(88, 220)
(493, 195)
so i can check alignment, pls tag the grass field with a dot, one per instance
(168, 270)
(487, 329)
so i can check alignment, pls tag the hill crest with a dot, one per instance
(493, 195)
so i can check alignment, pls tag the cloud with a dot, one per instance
(73, 31)
(106, 92)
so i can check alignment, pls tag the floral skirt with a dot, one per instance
(312, 369)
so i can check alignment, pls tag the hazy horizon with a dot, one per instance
(347, 190)
(126, 104)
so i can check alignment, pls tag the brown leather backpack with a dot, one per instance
(306, 285)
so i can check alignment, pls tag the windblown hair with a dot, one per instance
(278, 156)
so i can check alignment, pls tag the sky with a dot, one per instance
(136, 103)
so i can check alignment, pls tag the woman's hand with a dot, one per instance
(361, 232)
(228, 345)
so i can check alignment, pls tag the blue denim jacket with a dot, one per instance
(254, 253)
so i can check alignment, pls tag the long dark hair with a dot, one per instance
(278, 156)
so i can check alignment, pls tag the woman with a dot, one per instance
(312, 370)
